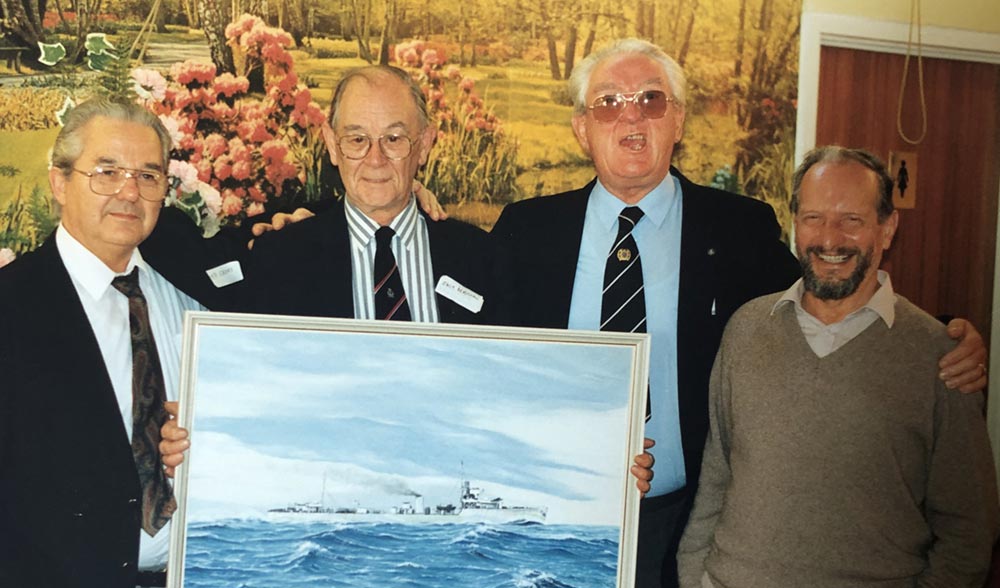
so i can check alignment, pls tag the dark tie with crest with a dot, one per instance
(623, 305)
(390, 298)
(148, 413)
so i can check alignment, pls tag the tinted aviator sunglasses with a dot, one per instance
(651, 103)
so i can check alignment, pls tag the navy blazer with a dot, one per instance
(305, 269)
(69, 511)
(731, 252)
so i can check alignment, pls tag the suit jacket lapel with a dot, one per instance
(73, 339)
(336, 282)
(698, 251)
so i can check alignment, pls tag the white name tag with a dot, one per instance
(226, 274)
(459, 294)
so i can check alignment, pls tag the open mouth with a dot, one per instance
(634, 141)
(833, 258)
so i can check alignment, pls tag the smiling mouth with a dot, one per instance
(634, 142)
(833, 258)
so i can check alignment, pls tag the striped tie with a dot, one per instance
(390, 298)
(623, 305)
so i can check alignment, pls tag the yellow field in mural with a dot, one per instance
(243, 95)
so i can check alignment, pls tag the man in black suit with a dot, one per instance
(378, 135)
(72, 516)
(703, 253)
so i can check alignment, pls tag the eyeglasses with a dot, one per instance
(393, 146)
(652, 104)
(108, 180)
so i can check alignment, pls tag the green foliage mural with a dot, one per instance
(493, 72)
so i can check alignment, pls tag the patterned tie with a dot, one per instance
(623, 305)
(390, 298)
(148, 413)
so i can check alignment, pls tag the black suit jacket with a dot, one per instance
(730, 253)
(305, 269)
(69, 512)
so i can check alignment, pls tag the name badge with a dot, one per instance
(459, 294)
(226, 274)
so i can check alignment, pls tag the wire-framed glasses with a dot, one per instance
(652, 104)
(394, 146)
(108, 180)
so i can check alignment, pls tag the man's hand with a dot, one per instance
(428, 202)
(643, 468)
(964, 367)
(278, 222)
(173, 441)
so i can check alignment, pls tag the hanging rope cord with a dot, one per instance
(914, 9)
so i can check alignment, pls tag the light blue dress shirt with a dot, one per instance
(658, 236)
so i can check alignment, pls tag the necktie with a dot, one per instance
(623, 304)
(390, 298)
(148, 414)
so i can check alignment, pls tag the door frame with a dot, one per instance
(853, 32)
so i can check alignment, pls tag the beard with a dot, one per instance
(834, 289)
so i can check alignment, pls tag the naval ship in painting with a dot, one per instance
(471, 508)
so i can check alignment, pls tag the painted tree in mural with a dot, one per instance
(23, 18)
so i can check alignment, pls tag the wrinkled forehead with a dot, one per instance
(628, 73)
(378, 103)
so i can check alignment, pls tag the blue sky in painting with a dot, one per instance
(386, 416)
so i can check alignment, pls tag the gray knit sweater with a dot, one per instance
(857, 469)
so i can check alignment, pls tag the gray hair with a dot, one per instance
(370, 74)
(69, 143)
(837, 154)
(579, 80)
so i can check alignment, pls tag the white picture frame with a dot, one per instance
(310, 439)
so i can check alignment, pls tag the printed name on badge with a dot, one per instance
(226, 274)
(459, 294)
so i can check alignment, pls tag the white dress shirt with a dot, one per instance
(107, 311)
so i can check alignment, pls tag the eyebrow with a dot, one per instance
(149, 165)
(394, 126)
(610, 87)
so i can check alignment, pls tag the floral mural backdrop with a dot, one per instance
(243, 86)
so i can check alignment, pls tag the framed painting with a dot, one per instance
(331, 452)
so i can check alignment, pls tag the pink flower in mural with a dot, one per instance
(185, 173)
(244, 145)
(192, 72)
(232, 205)
(229, 85)
(149, 84)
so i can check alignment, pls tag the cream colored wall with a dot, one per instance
(973, 15)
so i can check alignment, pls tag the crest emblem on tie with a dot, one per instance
(390, 293)
(624, 254)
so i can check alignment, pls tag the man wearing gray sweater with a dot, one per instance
(836, 457)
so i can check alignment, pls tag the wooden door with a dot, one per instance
(943, 254)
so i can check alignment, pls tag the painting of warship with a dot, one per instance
(348, 453)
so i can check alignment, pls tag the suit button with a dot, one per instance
(78, 515)
(133, 500)
(124, 564)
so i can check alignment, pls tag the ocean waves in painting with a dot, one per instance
(262, 554)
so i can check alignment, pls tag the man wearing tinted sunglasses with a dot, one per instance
(695, 254)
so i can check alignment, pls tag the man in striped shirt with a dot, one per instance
(378, 135)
